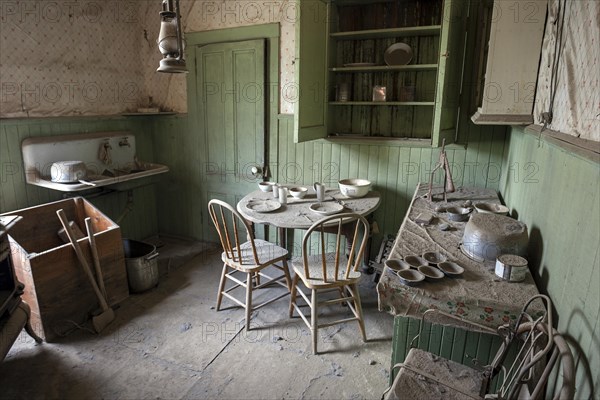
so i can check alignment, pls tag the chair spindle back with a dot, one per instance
(230, 225)
(346, 224)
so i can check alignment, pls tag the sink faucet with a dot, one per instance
(104, 152)
(124, 142)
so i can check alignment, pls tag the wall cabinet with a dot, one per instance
(511, 62)
(340, 48)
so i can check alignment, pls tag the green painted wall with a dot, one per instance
(557, 194)
(394, 171)
(16, 194)
(178, 195)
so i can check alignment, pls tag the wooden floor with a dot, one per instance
(171, 343)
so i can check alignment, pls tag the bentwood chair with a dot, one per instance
(530, 348)
(331, 270)
(245, 255)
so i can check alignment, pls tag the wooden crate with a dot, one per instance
(56, 287)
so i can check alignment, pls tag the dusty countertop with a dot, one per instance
(478, 295)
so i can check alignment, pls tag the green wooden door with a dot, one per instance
(231, 107)
(310, 116)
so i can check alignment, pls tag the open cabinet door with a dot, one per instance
(310, 115)
(452, 48)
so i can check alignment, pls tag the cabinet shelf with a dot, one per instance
(431, 30)
(422, 97)
(381, 103)
(147, 114)
(387, 68)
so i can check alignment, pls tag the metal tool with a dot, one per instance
(448, 184)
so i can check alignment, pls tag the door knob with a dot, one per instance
(256, 171)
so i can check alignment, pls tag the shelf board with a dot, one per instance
(431, 30)
(387, 68)
(146, 114)
(379, 140)
(381, 103)
(359, 2)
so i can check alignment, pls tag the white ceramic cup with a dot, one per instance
(320, 191)
(276, 190)
(283, 192)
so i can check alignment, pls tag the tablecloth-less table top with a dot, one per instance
(478, 295)
(296, 214)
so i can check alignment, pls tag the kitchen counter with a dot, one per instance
(478, 295)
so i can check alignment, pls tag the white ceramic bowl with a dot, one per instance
(354, 187)
(410, 277)
(431, 273)
(266, 186)
(415, 261)
(451, 268)
(396, 264)
(491, 208)
(458, 213)
(433, 257)
(298, 192)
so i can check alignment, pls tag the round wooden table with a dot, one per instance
(296, 214)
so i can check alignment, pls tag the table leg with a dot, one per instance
(282, 237)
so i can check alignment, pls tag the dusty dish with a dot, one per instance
(431, 273)
(457, 213)
(487, 236)
(298, 192)
(326, 208)
(68, 171)
(491, 208)
(410, 277)
(354, 187)
(266, 186)
(415, 261)
(396, 264)
(263, 206)
(433, 257)
(398, 54)
(451, 268)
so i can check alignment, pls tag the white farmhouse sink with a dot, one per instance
(122, 165)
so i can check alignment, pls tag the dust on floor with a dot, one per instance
(170, 343)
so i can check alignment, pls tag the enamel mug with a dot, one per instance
(320, 191)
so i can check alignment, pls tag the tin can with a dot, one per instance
(511, 267)
(342, 92)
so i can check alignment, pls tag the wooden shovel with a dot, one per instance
(107, 315)
(94, 248)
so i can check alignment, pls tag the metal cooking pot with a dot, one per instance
(488, 236)
(68, 171)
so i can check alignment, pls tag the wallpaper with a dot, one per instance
(570, 69)
(169, 90)
(69, 58)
